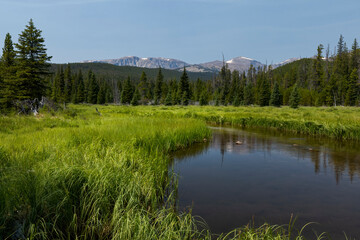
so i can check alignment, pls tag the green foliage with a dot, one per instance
(248, 94)
(144, 89)
(136, 98)
(93, 88)
(352, 92)
(275, 99)
(294, 98)
(158, 87)
(8, 84)
(32, 63)
(101, 96)
(68, 80)
(203, 99)
(80, 93)
(127, 92)
(184, 88)
(264, 93)
(83, 175)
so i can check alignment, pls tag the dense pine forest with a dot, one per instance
(325, 80)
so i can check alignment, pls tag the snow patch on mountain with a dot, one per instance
(239, 63)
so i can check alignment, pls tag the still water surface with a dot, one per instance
(270, 176)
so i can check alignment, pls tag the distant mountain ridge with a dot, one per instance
(239, 63)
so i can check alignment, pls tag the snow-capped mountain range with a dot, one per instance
(238, 63)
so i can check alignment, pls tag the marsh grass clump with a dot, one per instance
(91, 177)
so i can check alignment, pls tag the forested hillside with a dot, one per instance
(25, 73)
(122, 72)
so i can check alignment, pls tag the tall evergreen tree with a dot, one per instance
(143, 87)
(184, 88)
(9, 86)
(158, 87)
(203, 98)
(101, 94)
(61, 85)
(352, 92)
(318, 69)
(136, 98)
(355, 55)
(58, 86)
(264, 92)
(33, 63)
(74, 87)
(68, 83)
(127, 92)
(275, 99)
(93, 89)
(234, 87)
(248, 94)
(168, 99)
(294, 97)
(80, 95)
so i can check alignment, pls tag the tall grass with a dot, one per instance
(78, 175)
(334, 122)
(91, 177)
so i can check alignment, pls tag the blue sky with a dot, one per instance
(191, 30)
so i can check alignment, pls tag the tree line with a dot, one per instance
(322, 80)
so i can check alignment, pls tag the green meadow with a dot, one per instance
(78, 174)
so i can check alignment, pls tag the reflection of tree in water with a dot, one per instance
(345, 161)
(324, 153)
(195, 149)
(343, 157)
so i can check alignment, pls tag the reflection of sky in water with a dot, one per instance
(270, 176)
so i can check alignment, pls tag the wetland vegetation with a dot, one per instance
(85, 174)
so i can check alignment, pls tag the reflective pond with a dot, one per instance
(258, 176)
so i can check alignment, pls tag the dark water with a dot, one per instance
(268, 178)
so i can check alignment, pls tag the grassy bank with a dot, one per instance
(334, 122)
(81, 175)
(91, 177)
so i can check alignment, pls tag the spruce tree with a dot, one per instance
(80, 95)
(55, 87)
(198, 89)
(352, 92)
(136, 98)
(185, 99)
(127, 92)
(203, 98)
(9, 85)
(174, 94)
(33, 63)
(93, 89)
(143, 87)
(168, 99)
(235, 82)
(68, 84)
(318, 70)
(74, 87)
(355, 55)
(264, 93)
(275, 99)
(184, 88)
(236, 101)
(101, 94)
(248, 94)
(61, 85)
(158, 87)
(294, 97)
